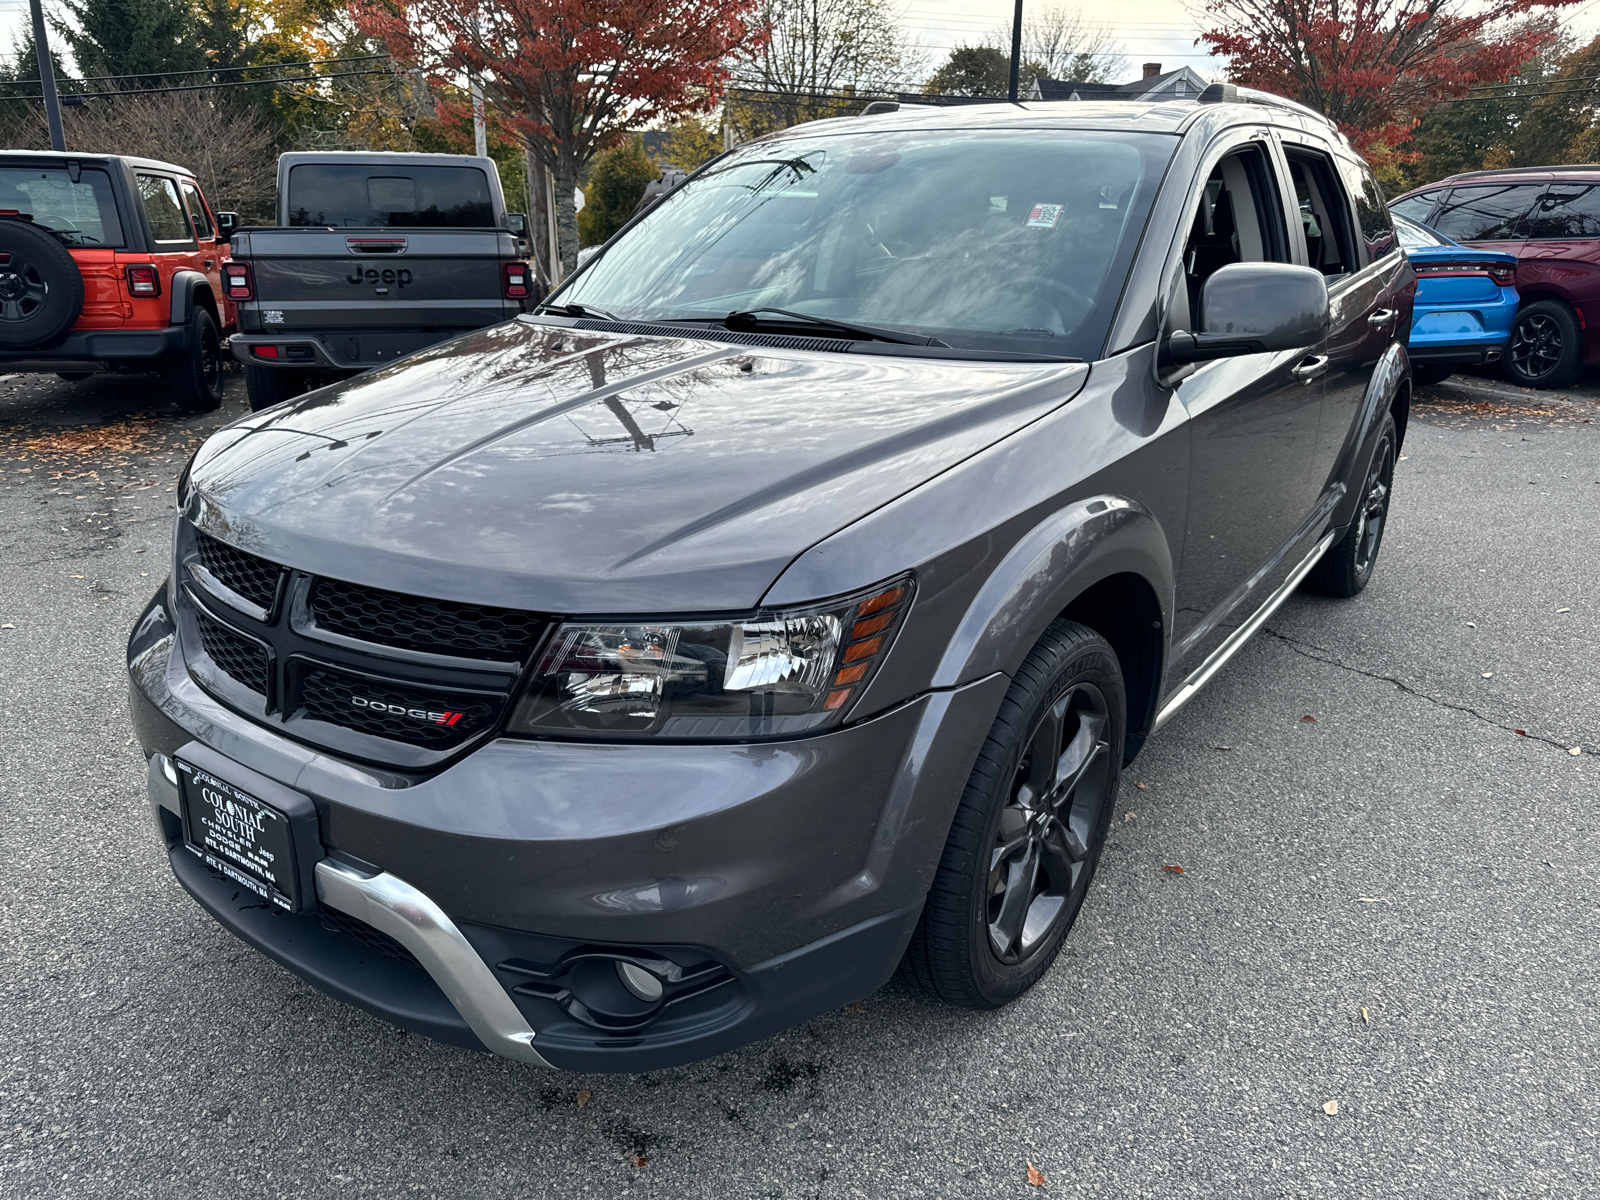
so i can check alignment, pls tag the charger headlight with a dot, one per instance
(777, 672)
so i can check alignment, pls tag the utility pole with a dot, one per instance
(1016, 51)
(479, 140)
(47, 78)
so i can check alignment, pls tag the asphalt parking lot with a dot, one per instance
(1390, 905)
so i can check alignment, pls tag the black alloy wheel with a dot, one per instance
(195, 382)
(1029, 829)
(1545, 350)
(1347, 566)
(41, 287)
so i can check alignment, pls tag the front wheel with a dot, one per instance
(196, 381)
(1546, 346)
(1028, 831)
(1347, 566)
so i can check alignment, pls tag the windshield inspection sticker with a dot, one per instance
(1044, 216)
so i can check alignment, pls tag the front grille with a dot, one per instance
(358, 930)
(443, 719)
(418, 623)
(237, 656)
(254, 578)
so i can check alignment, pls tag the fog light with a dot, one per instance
(644, 985)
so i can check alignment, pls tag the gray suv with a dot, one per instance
(781, 602)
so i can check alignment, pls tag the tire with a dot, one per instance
(41, 288)
(73, 376)
(196, 381)
(1348, 565)
(1546, 346)
(1428, 374)
(267, 386)
(1013, 874)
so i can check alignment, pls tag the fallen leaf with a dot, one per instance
(1561, 610)
(638, 1161)
(858, 1006)
(1365, 1019)
(1520, 732)
(1331, 1108)
(7, 625)
(1138, 785)
(583, 1097)
(1488, 674)
(1127, 816)
(1576, 750)
(1310, 718)
(1373, 899)
(1472, 624)
(1035, 1176)
(1173, 867)
(1224, 747)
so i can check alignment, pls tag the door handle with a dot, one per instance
(1308, 369)
(1382, 317)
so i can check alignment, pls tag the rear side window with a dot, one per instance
(1567, 210)
(197, 212)
(82, 213)
(1416, 208)
(1324, 215)
(1487, 212)
(167, 223)
(367, 197)
(1372, 215)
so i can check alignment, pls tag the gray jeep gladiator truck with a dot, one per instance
(375, 255)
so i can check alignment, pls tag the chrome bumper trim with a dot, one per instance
(392, 905)
(1221, 655)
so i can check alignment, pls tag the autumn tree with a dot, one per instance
(569, 76)
(1374, 66)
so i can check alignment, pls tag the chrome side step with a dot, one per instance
(1221, 655)
(391, 904)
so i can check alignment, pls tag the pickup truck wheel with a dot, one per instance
(1029, 829)
(41, 288)
(196, 381)
(1347, 566)
(1546, 346)
(267, 386)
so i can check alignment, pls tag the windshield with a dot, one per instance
(984, 240)
(384, 197)
(83, 213)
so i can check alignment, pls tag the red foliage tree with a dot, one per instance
(1374, 66)
(568, 76)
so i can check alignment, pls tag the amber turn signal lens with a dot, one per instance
(870, 626)
(881, 601)
(862, 650)
(850, 674)
(835, 699)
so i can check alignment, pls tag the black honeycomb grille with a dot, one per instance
(435, 720)
(418, 623)
(254, 578)
(358, 930)
(237, 656)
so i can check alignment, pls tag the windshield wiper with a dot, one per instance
(749, 321)
(579, 310)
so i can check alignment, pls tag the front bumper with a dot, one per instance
(795, 869)
(92, 348)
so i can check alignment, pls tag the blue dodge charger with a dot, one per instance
(1465, 302)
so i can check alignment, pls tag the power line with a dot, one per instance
(200, 87)
(270, 66)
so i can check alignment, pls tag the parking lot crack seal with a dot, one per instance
(1318, 654)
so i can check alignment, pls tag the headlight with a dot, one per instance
(771, 674)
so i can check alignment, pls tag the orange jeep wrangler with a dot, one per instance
(112, 263)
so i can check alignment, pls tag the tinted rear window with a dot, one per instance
(385, 197)
(1416, 207)
(1567, 210)
(1486, 212)
(83, 213)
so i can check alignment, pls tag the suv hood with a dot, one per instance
(566, 471)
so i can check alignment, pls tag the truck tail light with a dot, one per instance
(237, 281)
(144, 280)
(517, 282)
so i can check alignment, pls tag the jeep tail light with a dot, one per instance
(237, 281)
(773, 673)
(144, 280)
(516, 280)
(1502, 273)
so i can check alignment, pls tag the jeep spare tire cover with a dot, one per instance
(41, 289)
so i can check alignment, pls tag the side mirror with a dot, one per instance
(517, 223)
(1255, 308)
(227, 225)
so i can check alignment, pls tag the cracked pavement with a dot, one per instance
(1391, 906)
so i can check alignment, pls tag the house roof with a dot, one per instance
(1183, 84)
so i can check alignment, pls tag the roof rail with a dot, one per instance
(1229, 93)
(1559, 167)
(888, 106)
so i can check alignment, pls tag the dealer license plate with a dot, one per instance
(248, 841)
